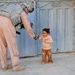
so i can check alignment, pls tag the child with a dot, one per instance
(46, 48)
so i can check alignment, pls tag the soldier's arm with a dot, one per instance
(27, 25)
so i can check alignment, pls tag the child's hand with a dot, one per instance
(47, 41)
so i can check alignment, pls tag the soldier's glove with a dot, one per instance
(22, 26)
(31, 24)
(18, 32)
(36, 37)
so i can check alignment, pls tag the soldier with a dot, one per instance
(13, 16)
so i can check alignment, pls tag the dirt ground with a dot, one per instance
(63, 64)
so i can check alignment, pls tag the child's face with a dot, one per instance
(44, 33)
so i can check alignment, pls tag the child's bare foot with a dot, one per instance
(43, 63)
(50, 62)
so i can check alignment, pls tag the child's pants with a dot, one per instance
(8, 41)
(46, 52)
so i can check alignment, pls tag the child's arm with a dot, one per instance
(40, 37)
(49, 40)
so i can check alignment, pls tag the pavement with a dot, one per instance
(63, 64)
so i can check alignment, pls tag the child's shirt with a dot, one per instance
(46, 42)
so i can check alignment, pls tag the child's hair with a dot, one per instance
(46, 30)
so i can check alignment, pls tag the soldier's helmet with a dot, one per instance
(29, 5)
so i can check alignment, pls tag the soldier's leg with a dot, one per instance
(27, 25)
(10, 36)
(3, 57)
(3, 50)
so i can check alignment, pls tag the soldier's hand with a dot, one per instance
(36, 37)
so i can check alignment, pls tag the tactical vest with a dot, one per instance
(13, 12)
